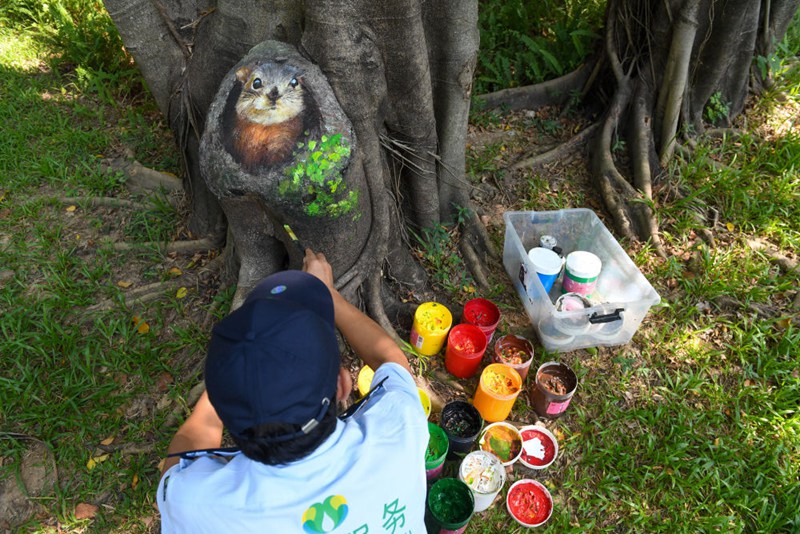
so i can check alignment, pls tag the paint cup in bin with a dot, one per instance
(497, 391)
(466, 344)
(580, 273)
(547, 265)
(432, 321)
(484, 314)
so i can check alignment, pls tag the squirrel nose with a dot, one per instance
(273, 94)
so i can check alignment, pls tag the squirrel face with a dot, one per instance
(271, 93)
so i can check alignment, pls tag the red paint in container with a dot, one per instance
(539, 447)
(529, 503)
(466, 344)
(482, 313)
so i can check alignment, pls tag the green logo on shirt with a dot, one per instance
(325, 516)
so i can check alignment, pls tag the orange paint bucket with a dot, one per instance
(497, 391)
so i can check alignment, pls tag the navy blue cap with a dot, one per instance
(276, 358)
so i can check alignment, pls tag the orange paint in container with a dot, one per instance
(497, 391)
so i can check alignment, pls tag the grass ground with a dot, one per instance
(693, 426)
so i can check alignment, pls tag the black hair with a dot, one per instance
(258, 442)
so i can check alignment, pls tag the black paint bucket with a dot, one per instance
(462, 423)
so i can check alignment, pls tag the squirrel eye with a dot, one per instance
(257, 83)
(293, 82)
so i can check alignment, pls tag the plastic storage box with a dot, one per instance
(622, 297)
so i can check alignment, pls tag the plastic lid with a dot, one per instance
(545, 261)
(583, 264)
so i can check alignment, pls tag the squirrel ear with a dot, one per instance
(243, 73)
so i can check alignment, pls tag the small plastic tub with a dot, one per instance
(529, 503)
(580, 273)
(432, 321)
(547, 265)
(436, 453)
(484, 314)
(514, 351)
(466, 344)
(497, 391)
(539, 447)
(503, 440)
(485, 475)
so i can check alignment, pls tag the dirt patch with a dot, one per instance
(24, 481)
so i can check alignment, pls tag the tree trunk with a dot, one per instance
(678, 58)
(401, 71)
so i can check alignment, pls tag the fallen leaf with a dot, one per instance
(124, 284)
(135, 481)
(143, 327)
(174, 271)
(92, 463)
(749, 382)
(85, 510)
(71, 208)
(108, 441)
(784, 323)
(729, 226)
(161, 464)
(164, 380)
(182, 291)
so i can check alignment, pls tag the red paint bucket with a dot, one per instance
(466, 344)
(482, 313)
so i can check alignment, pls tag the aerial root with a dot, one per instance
(558, 153)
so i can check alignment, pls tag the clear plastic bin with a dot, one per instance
(620, 302)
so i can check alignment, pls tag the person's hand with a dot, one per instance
(316, 264)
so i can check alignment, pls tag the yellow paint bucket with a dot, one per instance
(425, 400)
(364, 380)
(432, 321)
(364, 383)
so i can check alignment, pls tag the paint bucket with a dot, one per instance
(425, 400)
(437, 451)
(449, 506)
(484, 314)
(485, 475)
(552, 390)
(432, 321)
(581, 272)
(466, 344)
(497, 391)
(503, 440)
(462, 423)
(515, 352)
(529, 502)
(539, 447)
(547, 265)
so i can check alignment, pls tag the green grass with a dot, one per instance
(693, 426)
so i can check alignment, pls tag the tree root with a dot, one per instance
(104, 202)
(788, 265)
(180, 247)
(547, 93)
(141, 178)
(474, 264)
(150, 292)
(559, 152)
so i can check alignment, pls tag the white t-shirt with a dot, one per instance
(367, 477)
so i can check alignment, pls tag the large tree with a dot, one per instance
(401, 71)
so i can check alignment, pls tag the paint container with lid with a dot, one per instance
(547, 265)
(581, 272)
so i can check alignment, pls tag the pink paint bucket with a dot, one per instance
(581, 272)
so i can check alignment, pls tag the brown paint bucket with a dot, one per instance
(552, 391)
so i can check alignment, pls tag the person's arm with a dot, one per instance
(202, 430)
(367, 338)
